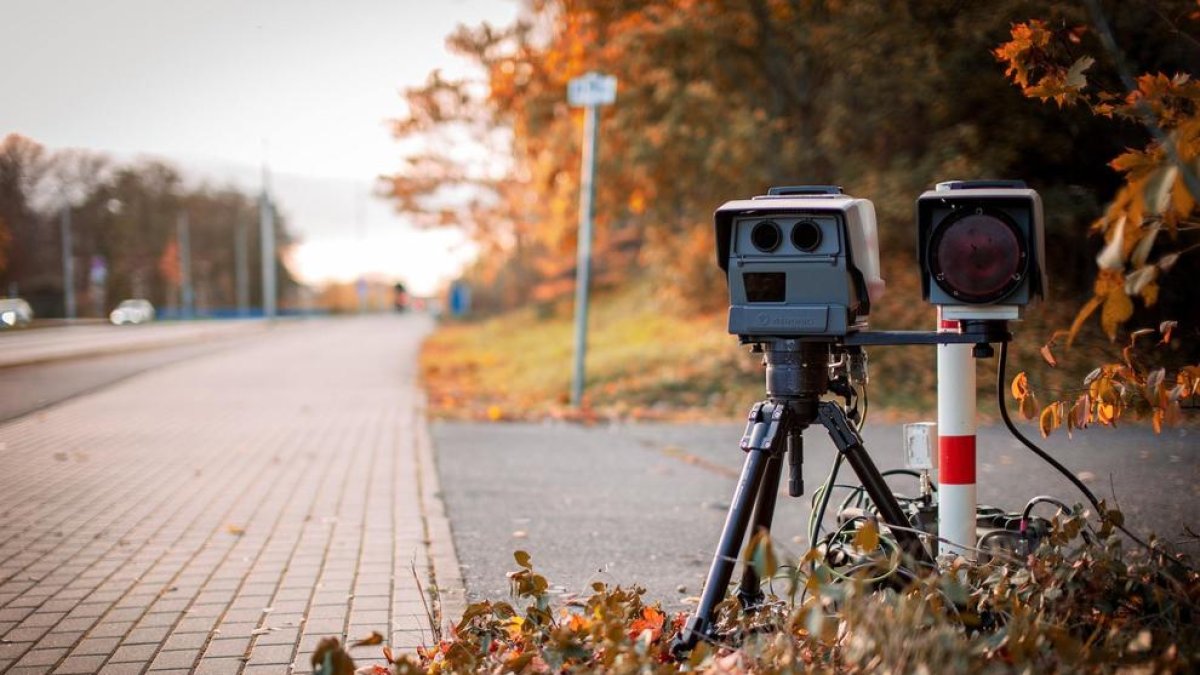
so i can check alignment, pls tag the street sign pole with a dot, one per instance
(589, 91)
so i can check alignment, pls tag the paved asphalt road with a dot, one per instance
(42, 345)
(644, 503)
(28, 388)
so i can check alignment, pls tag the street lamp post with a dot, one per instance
(590, 92)
(68, 263)
(266, 224)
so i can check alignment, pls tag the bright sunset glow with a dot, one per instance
(218, 87)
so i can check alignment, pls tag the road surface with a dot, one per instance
(644, 503)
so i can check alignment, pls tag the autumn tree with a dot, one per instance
(720, 99)
(1149, 227)
(123, 215)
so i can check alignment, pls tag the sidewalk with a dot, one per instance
(224, 514)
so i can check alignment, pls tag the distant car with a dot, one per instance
(15, 312)
(132, 311)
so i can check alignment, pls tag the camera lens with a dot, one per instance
(766, 236)
(806, 235)
(978, 258)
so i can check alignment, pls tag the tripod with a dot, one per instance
(797, 374)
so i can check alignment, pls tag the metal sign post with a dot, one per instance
(590, 92)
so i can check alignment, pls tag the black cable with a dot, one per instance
(1002, 403)
(1043, 499)
(820, 515)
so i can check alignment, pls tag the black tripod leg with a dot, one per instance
(732, 534)
(748, 592)
(850, 444)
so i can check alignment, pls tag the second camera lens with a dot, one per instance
(806, 235)
(766, 236)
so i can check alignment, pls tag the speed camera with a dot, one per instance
(799, 261)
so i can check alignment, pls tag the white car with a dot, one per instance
(15, 312)
(132, 311)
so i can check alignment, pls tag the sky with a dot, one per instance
(219, 86)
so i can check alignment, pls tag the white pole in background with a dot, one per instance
(266, 227)
(956, 445)
(68, 264)
(590, 91)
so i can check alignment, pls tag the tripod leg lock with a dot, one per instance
(763, 426)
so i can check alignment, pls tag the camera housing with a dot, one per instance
(981, 246)
(799, 261)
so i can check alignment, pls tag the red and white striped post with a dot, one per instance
(956, 445)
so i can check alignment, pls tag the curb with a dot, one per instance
(211, 334)
(447, 587)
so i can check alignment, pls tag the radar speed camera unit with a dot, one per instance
(981, 248)
(799, 261)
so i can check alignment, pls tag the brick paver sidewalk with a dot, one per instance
(223, 514)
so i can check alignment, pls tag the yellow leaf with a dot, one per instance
(1048, 421)
(494, 413)
(867, 537)
(235, 529)
(1020, 386)
(1082, 316)
(1117, 310)
(1150, 294)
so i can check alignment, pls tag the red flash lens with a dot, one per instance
(978, 258)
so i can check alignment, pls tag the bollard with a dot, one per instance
(956, 445)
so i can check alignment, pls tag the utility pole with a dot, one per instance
(68, 263)
(266, 229)
(241, 271)
(589, 91)
(187, 296)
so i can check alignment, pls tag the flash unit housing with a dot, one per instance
(981, 244)
(798, 261)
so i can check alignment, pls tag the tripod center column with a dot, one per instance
(797, 372)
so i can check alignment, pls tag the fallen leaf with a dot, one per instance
(235, 529)
(651, 620)
(520, 534)
(375, 638)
